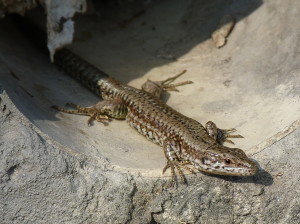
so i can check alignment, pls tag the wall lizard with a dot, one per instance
(187, 144)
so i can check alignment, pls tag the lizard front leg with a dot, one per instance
(173, 162)
(220, 135)
(101, 112)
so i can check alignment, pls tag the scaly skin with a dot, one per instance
(186, 143)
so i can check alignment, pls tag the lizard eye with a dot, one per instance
(227, 161)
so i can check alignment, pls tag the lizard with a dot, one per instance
(187, 144)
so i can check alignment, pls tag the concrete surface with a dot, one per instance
(56, 163)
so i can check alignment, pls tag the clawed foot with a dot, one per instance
(220, 135)
(157, 87)
(178, 165)
(167, 86)
(225, 133)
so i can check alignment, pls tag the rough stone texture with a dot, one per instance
(55, 169)
(43, 182)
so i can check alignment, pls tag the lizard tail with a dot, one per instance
(86, 73)
(74, 66)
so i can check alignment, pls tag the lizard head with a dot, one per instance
(223, 160)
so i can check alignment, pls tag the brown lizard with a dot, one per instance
(186, 143)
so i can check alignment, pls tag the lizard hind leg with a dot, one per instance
(156, 88)
(220, 135)
(87, 111)
(101, 112)
(77, 111)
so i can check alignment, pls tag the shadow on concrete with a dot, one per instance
(199, 19)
